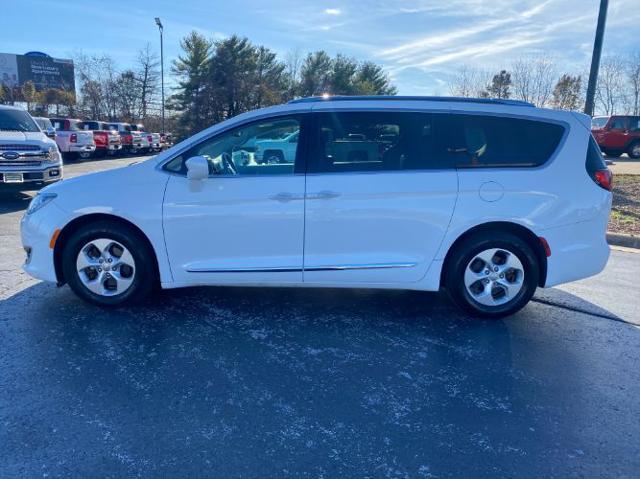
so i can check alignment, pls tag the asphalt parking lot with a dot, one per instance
(223, 382)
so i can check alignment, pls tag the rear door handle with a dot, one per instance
(285, 197)
(323, 195)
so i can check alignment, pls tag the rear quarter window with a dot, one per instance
(491, 141)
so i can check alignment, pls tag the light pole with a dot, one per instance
(595, 58)
(160, 27)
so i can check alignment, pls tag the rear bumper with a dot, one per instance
(577, 251)
(82, 148)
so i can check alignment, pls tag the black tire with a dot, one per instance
(613, 153)
(634, 150)
(464, 253)
(145, 274)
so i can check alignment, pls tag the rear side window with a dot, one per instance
(595, 161)
(377, 141)
(619, 123)
(491, 141)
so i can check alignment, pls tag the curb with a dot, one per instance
(628, 241)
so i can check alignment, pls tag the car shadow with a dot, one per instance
(14, 199)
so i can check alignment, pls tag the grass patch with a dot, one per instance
(625, 213)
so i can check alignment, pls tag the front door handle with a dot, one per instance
(323, 195)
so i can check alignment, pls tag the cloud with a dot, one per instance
(333, 11)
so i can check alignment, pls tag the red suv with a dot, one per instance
(617, 134)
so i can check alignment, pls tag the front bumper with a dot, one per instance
(36, 231)
(30, 175)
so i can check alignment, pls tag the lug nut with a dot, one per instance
(99, 270)
(502, 276)
(486, 271)
(110, 260)
(486, 281)
(100, 260)
(496, 269)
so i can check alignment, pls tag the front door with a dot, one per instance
(618, 134)
(245, 223)
(379, 199)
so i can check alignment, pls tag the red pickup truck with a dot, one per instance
(107, 139)
(617, 134)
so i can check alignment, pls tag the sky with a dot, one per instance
(420, 43)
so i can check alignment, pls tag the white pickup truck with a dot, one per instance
(280, 150)
(72, 139)
(27, 155)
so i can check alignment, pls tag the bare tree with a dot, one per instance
(147, 75)
(469, 82)
(633, 75)
(293, 65)
(610, 91)
(533, 80)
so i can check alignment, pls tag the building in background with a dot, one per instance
(45, 72)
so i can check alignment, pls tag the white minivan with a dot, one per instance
(487, 199)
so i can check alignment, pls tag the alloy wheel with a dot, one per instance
(105, 267)
(494, 277)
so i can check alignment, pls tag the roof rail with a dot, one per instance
(494, 101)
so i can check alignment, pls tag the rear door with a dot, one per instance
(379, 197)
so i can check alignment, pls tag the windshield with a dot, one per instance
(43, 123)
(599, 121)
(17, 120)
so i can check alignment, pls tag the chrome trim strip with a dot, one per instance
(360, 266)
(245, 270)
(306, 268)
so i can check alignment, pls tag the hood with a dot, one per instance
(26, 137)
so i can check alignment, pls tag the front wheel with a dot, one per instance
(492, 275)
(109, 264)
(613, 153)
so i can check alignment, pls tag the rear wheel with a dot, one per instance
(634, 150)
(492, 274)
(109, 264)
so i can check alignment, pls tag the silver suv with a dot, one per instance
(27, 155)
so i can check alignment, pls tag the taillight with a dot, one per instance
(604, 179)
(73, 138)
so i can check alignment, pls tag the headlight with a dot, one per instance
(40, 201)
(53, 154)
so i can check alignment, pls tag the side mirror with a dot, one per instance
(51, 132)
(197, 168)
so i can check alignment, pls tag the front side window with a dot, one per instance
(377, 141)
(265, 147)
(492, 141)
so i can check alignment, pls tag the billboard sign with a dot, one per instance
(45, 72)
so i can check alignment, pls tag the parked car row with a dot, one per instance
(92, 138)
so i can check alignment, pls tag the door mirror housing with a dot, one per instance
(197, 168)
